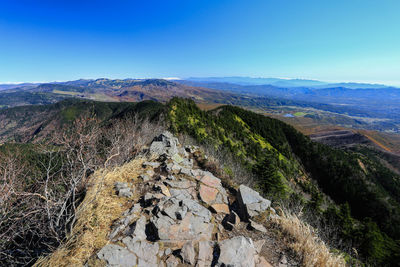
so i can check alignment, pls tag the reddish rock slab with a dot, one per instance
(211, 180)
(220, 208)
(208, 194)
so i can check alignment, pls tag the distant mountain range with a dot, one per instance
(379, 108)
(285, 83)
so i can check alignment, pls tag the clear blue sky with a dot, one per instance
(341, 40)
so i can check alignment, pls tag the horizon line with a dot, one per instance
(385, 83)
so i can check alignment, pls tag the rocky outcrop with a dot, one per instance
(251, 203)
(182, 215)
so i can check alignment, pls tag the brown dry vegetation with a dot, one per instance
(305, 242)
(95, 215)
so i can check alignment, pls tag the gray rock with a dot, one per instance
(257, 226)
(120, 185)
(167, 251)
(126, 220)
(197, 172)
(183, 152)
(188, 253)
(150, 173)
(171, 177)
(125, 192)
(181, 194)
(251, 203)
(144, 177)
(164, 143)
(182, 184)
(116, 255)
(162, 223)
(198, 209)
(136, 208)
(140, 229)
(237, 251)
(157, 149)
(143, 263)
(259, 244)
(151, 164)
(145, 251)
(174, 210)
(186, 171)
(116, 231)
(176, 158)
(191, 148)
(283, 261)
(191, 227)
(172, 261)
(205, 253)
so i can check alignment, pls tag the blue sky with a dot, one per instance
(341, 40)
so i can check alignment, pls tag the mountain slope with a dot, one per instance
(284, 160)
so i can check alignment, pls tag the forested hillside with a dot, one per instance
(366, 205)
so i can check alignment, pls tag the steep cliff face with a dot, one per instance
(161, 209)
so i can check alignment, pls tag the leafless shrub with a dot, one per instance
(127, 136)
(40, 215)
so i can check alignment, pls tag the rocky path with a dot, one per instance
(181, 215)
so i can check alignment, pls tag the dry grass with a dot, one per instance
(304, 241)
(96, 213)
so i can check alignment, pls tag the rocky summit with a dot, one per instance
(181, 215)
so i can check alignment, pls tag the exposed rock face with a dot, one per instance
(251, 202)
(116, 256)
(237, 251)
(178, 219)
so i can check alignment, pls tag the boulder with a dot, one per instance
(257, 226)
(139, 233)
(208, 194)
(116, 255)
(164, 143)
(205, 255)
(237, 251)
(250, 202)
(145, 251)
(188, 253)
